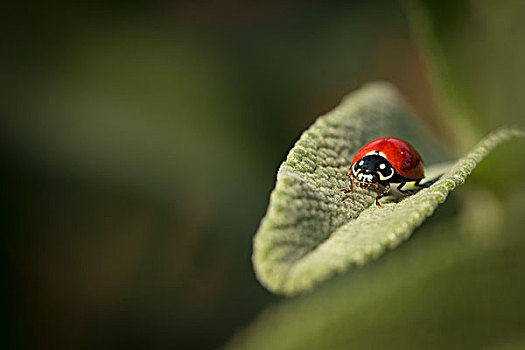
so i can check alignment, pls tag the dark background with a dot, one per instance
(140, 142)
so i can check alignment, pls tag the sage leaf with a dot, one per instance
(311, 230)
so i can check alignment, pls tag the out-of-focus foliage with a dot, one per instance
(476, 50)
(139, 143)
(309, 232)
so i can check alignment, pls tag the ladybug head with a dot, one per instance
(372, 168)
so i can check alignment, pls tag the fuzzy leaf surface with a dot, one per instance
(312, 231)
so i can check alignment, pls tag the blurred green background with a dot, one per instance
(140, 142)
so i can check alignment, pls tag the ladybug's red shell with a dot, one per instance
(400, 154)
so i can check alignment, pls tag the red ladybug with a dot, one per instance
(384, 161)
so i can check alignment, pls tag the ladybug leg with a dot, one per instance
(380, 195)
(426, 184)
(408, 192)
(351, 181)
(351, 176)
(417, 184)
(400, 186)
(429, 182)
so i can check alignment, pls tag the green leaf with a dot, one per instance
(311, 231)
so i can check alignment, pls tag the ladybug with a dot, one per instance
(384, 161)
